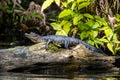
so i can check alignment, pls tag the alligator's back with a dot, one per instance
(70, 40)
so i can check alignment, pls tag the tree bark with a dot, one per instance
(35, 57)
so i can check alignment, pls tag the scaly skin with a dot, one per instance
(60, 39)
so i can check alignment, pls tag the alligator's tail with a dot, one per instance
(91, 47)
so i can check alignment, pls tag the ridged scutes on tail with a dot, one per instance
(91, 47)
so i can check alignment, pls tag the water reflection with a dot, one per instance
(67, 76)
(39, 78)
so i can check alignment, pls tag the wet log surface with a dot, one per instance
(35, 58)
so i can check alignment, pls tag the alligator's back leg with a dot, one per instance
(66, 44)
(47, 44)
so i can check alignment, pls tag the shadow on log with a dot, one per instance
(35, 58)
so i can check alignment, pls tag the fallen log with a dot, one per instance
(35, 57)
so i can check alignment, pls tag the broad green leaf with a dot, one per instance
(103, 28)
(78, 1)
(68, 1)
(104, 40)
(56, 26)
(61, 32)
(115, 37)
(108, 33)
(98, 41)
(90, 23)
(73, 6)
(63, 22)
(66, 27)
(82, 5)
(57, 2)
(83, 26)
(88, 15)
(21, 19)
(84, 35)
(101, 20)
(110, 47)
(96, 25)
(116, 27)
(46, 4)
(91, 42)
(77, 18)
(64, 4)
(37, 16)
(117, 18)
(117, 49)
(65, 12)
(93, 34)
(9, 11)
(116, 41)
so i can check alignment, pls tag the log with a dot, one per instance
(35, 57)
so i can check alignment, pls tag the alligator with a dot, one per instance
(65, 40)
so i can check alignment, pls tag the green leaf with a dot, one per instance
(104, 40)
(73, 6)
(115, 36)
(78, 1)
(103, 28)
(93, 33)
(117, 49)
(117, 18)
(21, 19)
(56, 26)
(96, 25)
(46, 4)
(65, 12)
(90, 42)
(68, 1)
(101, 20)
(117, 27)
(110, 47)
(88, 16)
(83, 26)
(37, 15)
(116, 41)
(66, 27)
(64, 4)
(9, 11)
(108, 33)
(63, 23)
(84, 35)
(82, 5)
(98, 41)
(90, 23)
(77, 18)
(61, 32)
(57, 2)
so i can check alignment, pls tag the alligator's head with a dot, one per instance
(33, 37)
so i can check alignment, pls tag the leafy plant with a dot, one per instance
(63, 28)
(91, 28)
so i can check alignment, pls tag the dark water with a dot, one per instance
(61, 76)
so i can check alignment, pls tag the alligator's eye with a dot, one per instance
(33, 34)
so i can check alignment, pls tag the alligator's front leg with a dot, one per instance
(47, 44)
